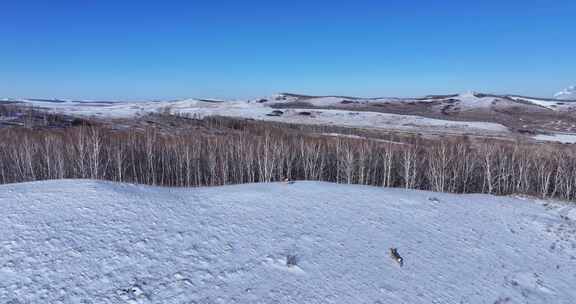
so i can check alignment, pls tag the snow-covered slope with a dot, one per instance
(74, 241)
(550, 104)
(262, 111)
(473, 100)
(567, 94)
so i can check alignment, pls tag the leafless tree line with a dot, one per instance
(263, 154)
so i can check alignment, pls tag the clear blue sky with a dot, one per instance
(171, 49)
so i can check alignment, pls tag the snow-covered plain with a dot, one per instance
(73, 241)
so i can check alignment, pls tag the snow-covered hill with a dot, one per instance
(263, 111)
(567, 94)
(73, 241)
(471, 113)
(467, 100)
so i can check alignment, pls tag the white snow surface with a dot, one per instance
(82, 241)
(557, 137)
(551, 104)
(469, 100)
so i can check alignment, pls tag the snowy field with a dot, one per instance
(558, 137)
(74, 241)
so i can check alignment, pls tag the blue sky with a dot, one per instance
(173, 49)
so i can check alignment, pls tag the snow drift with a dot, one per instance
(72, 241)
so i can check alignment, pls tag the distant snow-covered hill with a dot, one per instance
(470, 113)
(263, 109)
(567, 94)
(79, 241)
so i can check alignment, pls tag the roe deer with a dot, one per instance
(396, 256)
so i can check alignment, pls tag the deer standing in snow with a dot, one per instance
(396, 256)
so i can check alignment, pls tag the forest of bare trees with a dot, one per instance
(255, 152)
